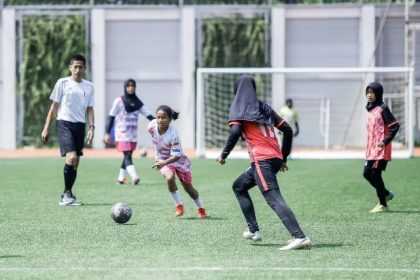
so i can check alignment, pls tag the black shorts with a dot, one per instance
(71, 137)
(377, 164)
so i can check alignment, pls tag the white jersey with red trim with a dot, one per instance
(168, 145)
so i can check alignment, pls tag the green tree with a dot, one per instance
(48, 44)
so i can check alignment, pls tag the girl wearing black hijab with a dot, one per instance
(255, 121)
(381, 129)
(124, 113)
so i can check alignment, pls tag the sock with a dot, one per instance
(69, 177)
(122, 174)
(198, 203)
(132, 171)
(176, 196)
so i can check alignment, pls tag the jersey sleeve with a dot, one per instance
(295, 116)
(150, 126)
(91, 101)
(145, 111)
(116, 107)
(57, 92)
(388, 117)
(392, 124)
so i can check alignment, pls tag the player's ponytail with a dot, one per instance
(173, 115)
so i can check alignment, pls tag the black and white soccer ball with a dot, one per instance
(121, 213)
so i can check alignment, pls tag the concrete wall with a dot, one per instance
(156, 47)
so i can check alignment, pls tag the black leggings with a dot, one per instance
(374, 177)
(127, 160)
(263, 174)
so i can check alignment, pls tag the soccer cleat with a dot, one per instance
(390, 196)
(379, 209)
(256, 236)
(297, 243)
(179, 210)
(123, 181)
(201, 214)
(68, 199)
(136, 181)
(65, 200)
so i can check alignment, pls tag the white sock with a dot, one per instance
(132, 171)
(122, 174)
(198, 203)
(176, 197)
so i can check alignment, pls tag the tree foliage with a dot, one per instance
(234, 42)
(48, 44)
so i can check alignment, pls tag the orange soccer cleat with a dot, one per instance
(201, 213)
(179, 210)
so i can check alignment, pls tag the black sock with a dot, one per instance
(69, 177)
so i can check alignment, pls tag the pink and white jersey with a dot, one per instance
(377, 131)
(168, 145)
(126, 123)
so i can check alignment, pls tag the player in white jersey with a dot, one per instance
(124, 114)
(72, 101)
(290, 115)
(170, 159)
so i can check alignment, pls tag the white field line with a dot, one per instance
(210, 269)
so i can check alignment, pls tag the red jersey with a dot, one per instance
(377, 130)
(260, 139)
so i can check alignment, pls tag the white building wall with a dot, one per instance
(8, 71)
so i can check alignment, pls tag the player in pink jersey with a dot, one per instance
(381, 129)
(255, 121)
(170, 159)
(124, 114)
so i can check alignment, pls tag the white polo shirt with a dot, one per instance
(74, 98)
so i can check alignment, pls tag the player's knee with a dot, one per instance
(170, 178)
(71, 159)
(367, 173)
(236, 187)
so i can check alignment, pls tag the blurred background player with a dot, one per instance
(124, 114)
(170, 159)
(255, 121)
(290, 115)
(381, 129)
(72, 102)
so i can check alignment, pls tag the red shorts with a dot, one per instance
(126, 146)
(185, 177)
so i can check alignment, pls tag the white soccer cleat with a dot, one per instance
(379, 209)
(297, 243)
(67, 199)
(256, 236)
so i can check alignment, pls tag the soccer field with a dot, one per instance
(41, 240)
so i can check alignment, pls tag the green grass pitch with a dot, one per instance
(41, 240)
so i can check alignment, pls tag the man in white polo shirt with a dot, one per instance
(72, 103)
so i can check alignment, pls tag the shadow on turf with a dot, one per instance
(316, 245)
(11, 256)
(208, 218)
(100, 204)
(405, 211)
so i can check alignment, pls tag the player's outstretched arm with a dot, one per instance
(234, 134)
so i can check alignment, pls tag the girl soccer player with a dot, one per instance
(170, 159)
(254, 121)
(381, 129)
(124, 113)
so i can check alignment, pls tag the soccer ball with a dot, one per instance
(121, 213)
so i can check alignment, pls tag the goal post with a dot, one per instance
(331, 104)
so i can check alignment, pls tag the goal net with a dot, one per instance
(330, 102)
